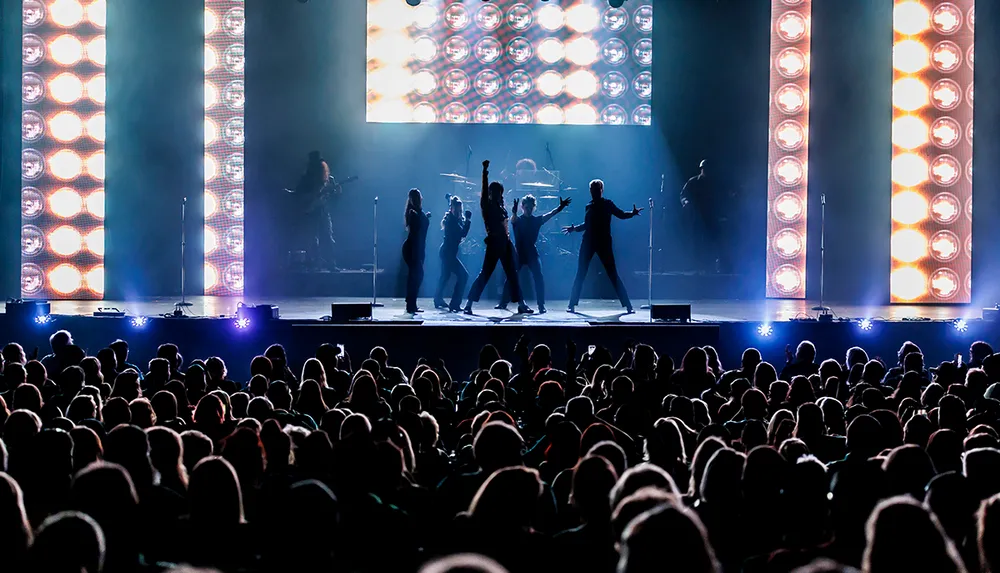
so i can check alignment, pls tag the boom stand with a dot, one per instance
(375, 302)
(824, 311)
(180, 306)
(649, 291)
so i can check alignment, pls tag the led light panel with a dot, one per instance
(932, 96)
(510, 61)
(62, 148)
(788, 152)
(225, 100)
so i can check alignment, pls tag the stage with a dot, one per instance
(209, 326)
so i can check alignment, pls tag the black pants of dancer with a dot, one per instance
(451, 265)
(414, 277)
(607, 256)
(497, 252)
(534, 264)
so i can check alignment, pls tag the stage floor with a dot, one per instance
(589, 310)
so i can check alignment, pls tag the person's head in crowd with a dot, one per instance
(196, 446)
(68, 542)
(13, 353)
(764, 375)
(855, 356)
(166, 452)
(36, 375)
(988, 538)
(695, 361)
(59, 341)
(142, 413)
(164, 406)
(750, 359)
(463, 563)
(612, 452)
(508, 498)
(14, 375)
(669, 537)
(15, 531)
(312, 369)
(908, 469)
(105, 491)
(706, 449)
(238, 402)
(87, 447)
(639, 477)
(981, 467)
(215, 495)
(949, 498)
(279, 359)
(593, 480)
(918, 430)
(127, 384)
(128, 446)
(904, 536)
(27, 397)
(714, 364)
(497, 445)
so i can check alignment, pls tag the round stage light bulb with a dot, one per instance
(424, 113)
(944, 246)
(909, 170)
(211, 22)
(65, 203)
(66, 13)
(909, 207)
(94, 241)
(211, 204)
(94, 280)
(97, 13)
(392, 111)
(95, 166)
(945, 208)
(32, 279)
(792, 26)
(909, 132)
(424, 82)
(95, 203)
(65, 126)
(65, 279)
(424, 49)
(790, 135)
(390, 82)
(211, 131)
(551, 17)
(789, 171)
(791, 63)
(96, 89)
(211, 59)
(211, 240)
(787, 279)
(944, 285)
(65, 165)
(946, 133)
(581, 84)
(66, 50)
(583, 18)
(551, 50)
(425, 16)
(787, 243)
(211, 167)
(909, 94)
(788, 207)
(910, 56)
(790, 99)
(389, 16)
(550, 83)
(910, 18)
(392, 50)
(456, 17)
(582, 51)
(945, 170)
(211, 276)
(66, 88)
(946, 95)
(946, 56)
(550, 114)
(947, 19)
(581, 114)
(211, 95)
(907, 283)
(97, 51)
(908, 245)
(65, 241)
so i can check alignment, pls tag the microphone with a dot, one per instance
(650, 202)
(662, 179)
(470, 151)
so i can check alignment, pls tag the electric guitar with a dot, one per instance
(333, 187)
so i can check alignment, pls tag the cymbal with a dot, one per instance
(568, 189)
(456, 177)
(538, 185)
(550, 197)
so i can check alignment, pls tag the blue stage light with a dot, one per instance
(865, 324)
(44, 319)
(139, 321)
(765, 330)
(242, 323)
(961, 325)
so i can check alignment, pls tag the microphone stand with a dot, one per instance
(824, 311)
(375, 302)
(180, 306)
(649, 287)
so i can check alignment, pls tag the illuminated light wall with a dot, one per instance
(224, 139)
(62, 148)
(510, 61)
(788, 151)
(932, 95)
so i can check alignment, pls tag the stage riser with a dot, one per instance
(460, 344)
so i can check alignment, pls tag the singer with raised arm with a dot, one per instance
(526, 229)
(455, 230)
(596, 229)
(498, 245)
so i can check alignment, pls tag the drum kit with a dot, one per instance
(547, 196)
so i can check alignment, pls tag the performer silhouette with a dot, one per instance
(596, 230)
(526, 229)
(455, 230)
(414, 247)
(498, 245)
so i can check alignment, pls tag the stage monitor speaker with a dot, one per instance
(350, 311)
(257, 313)
(27, 310)
(671, 312)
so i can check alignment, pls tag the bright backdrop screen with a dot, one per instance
(509, 61)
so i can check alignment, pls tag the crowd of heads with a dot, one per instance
(607, 460)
